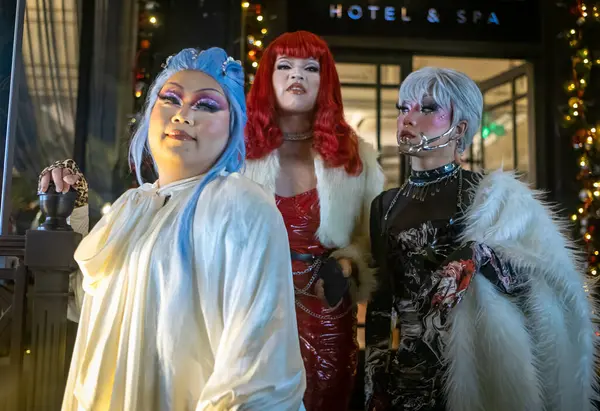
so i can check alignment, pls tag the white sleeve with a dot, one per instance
(258, 365)
(80, 222)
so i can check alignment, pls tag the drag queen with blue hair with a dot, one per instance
(185, 305)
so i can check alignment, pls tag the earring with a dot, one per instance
(460, 147)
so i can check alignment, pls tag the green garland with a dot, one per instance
(585, 136)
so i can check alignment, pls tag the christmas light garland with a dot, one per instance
(255, 30)
(150, 19)
(585, 135)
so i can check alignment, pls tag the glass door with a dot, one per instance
(370, 94)
(506, 136)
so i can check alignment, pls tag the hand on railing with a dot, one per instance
(61, 188)
(64, 175)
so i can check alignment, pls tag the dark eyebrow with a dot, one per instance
(310, 59)
(209, 89)
(202, 89)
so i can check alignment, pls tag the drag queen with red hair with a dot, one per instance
(323, 177)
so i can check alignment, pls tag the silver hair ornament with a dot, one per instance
(166, 63)
(227, 62)
(194, 53)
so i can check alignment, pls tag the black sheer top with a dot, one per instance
(423, 273)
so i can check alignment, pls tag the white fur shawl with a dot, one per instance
(539, 354)
(345, 203)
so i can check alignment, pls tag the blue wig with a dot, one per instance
(175, 313)
(230, 76)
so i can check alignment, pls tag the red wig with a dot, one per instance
(334, 139)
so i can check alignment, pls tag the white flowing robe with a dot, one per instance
(244, 352)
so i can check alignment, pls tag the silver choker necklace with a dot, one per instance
(307, 135)
(423, 183)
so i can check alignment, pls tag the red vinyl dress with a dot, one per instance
(327, 335)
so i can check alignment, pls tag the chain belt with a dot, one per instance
(314, 268)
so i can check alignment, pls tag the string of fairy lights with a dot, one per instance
(150, 20)
(585, 134)
(254, 30)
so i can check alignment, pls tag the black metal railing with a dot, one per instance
(13, 285)
(35, 338)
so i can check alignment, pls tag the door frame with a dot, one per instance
(404, 59)
(379, 58)
(510, 77)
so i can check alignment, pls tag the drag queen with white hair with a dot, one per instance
(480, 302)
(189, 301)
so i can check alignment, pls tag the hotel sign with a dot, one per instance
(479, 20)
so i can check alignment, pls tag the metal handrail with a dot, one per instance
(11, 125)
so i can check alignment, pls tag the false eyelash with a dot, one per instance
(169, 98)
(212, 107)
